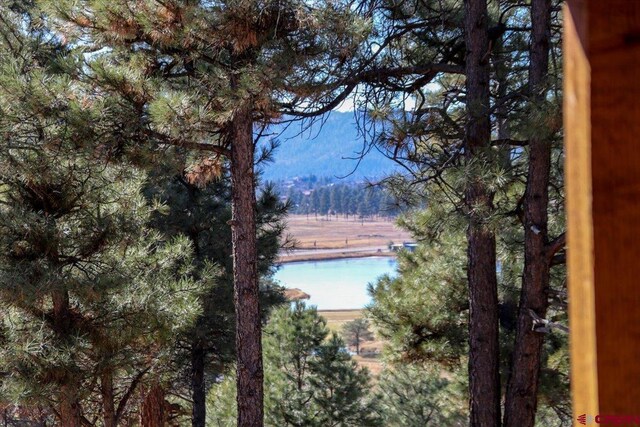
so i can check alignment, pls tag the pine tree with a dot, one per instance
(258, 60)
(357, 331)
(415, 396)
(485, 126)
(312, 379)
(540, 247)
(90, 295)
(200, 209)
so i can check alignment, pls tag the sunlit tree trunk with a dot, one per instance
(245, 274)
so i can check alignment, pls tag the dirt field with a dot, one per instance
(369, 350)
(312, 233)
(340, 238)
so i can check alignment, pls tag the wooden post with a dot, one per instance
(602, 134)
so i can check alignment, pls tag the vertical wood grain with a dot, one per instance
(584, 381)
(602, 122)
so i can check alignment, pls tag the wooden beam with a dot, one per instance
(577, 112)
(602, 134)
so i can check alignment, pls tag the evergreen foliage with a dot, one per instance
(428, 129)
(116, 276)
(415, 396)
(331, 199)
(91, 296)
(357, 331)
(310, 378)
(200, 75)
(201, 211)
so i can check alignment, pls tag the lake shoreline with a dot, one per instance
(338, 284)
(320, 256)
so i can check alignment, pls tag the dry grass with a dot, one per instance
(369, 350)
(319, 255)
(338, 233)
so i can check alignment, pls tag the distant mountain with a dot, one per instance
(327, 150)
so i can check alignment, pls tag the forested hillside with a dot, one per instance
(329, 148)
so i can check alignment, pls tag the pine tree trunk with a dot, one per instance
(522, 387)
(484, 373)
(108, 403)
(154, 412)
(68, 408)
(198, 388)
(245, 274)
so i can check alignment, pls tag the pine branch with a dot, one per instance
(132, 387)
(509, 141)
(556, 245)
(166, 139)
(373, 76)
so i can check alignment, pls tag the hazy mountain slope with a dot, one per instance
(326, 149)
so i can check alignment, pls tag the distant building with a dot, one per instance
(409, 246)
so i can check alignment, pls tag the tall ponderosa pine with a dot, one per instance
(201, 75)
(91, 297)
(539, 248)
(199, 206)
(510, 94)
(484, 354)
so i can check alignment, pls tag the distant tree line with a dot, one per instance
(326, 199)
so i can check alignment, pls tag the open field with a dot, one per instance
(336, 318)
(338, 233)
(321, 238)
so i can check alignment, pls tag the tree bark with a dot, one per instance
(245, 274)
(522, 387)
(484, 373)
(68, 407)
(108, 403)
(154, 412)
(198, 387)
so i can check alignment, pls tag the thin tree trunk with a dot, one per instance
(68, 407)
(198, 388)
(522, 387)
(108, 403)
(154, 412)
(245, 274)
(484, 373)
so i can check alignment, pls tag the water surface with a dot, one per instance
(336, 284)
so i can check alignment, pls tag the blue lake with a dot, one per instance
(336, 284)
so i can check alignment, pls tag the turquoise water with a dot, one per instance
(335, 284)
